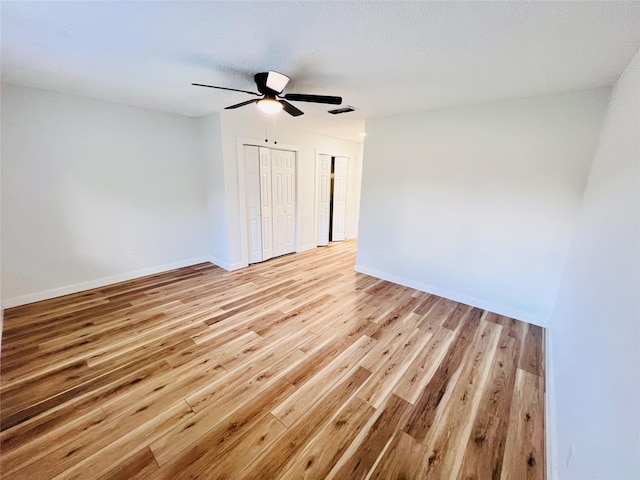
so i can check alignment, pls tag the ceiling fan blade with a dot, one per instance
(290, 109)
(301, 97)
(225, 88)
(237, 105)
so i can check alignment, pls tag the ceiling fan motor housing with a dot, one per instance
(270, 83)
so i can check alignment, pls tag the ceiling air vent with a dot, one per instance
(346, 109)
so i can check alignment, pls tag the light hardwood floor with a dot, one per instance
(295, 368)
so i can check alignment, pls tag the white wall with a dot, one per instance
(250, 124)
(478, 203)
(595, 328)
(218, 238)
(94, 192)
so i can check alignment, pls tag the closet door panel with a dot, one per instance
(339, 199)
(289, 200)
(266, 204)
(254, 204)
(283, 194)
(278, 203)
(324, 189)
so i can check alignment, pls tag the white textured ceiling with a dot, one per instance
(384, 58)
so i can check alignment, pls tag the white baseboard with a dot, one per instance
(229, 267)
(237, 266)
(458, 297)
(306, 247)
(220, 263)
(100, 282)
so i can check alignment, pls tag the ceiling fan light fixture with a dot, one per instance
(270, 106)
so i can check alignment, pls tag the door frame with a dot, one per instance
(316, 183)
(242, 190)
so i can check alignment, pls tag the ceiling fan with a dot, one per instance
(270, 85)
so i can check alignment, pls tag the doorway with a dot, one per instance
(271, 201)
(332, 193)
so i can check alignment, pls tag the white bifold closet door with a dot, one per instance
(283, 174)
(270, 182)
(332, 195)
(266, 205)
(324, 198)
(339, 198)
(254, 203)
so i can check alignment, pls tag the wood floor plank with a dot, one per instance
(316, 387)
(138, 467)
(117, 379)
(323, 452)
(388, 372)
(252, 444)
(418, 374)
(485, 448)
(455, 316)
(149, 399)
(357, 463)
(532, 359)
(438, 312)
(273, 364)
(193, 453)
(144, 403)
(226, 404)
(424, 411)
(128, 445)
(446, 442)
(525, 458)
(402, 459)
(273, 462)
(318, 358)
(74, 456)
(298, 367)
(426, 305)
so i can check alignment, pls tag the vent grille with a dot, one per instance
(346, 109)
